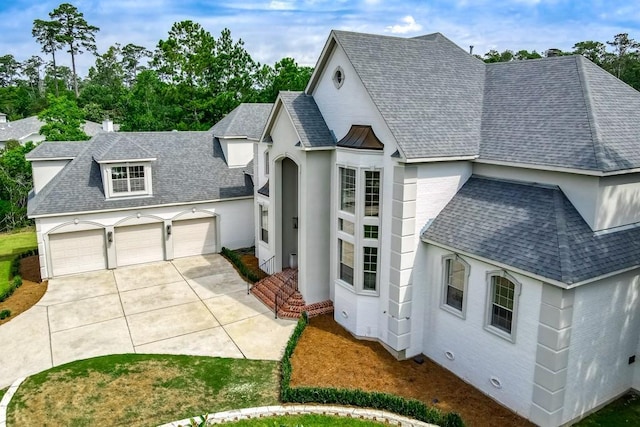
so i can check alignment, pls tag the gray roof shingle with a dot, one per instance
(561, 111)
(246, 120)
(439, 101)
(22, 128)
(307, 119)
(119, 147)
(532, 228)
(190, 167)
(428, 90)
(56, 149)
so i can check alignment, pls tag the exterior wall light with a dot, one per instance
(169, 230)
(110, 236)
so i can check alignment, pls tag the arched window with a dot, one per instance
(502, 304)
(455, 274)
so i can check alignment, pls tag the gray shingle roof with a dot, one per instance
(22, 128)
(561, 111)
(190, 167)
(245, 120)
(428, 90)
(56, 149)
(307, 119)
(119, 147)
(532, 228)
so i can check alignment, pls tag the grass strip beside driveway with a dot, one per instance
(12, 245)
(141, 390)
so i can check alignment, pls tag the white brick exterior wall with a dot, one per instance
(480, 354)
(605, 331)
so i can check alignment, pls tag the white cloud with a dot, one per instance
(282, 5)
(409, 25)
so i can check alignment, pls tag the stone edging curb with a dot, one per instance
(4, 403)
(269, 411)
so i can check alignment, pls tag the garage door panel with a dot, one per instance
(77, 252)
(194, 237)
(138, 244)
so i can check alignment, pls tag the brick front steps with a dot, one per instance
(266, 289)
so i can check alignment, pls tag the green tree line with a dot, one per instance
(620, 56)
(189, 81)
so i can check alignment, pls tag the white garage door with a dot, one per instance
(137, 244)
(77, 252)
(194, 237)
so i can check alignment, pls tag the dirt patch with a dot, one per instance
(29, 293)
(252, 264)
(328, 356)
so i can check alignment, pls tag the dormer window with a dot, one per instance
(128, 179)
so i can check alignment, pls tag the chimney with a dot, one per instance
(471, 50)
(107, 125)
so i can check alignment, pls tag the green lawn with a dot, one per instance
(309, 420)
(142, 390)
(12, 244)
(622, 412)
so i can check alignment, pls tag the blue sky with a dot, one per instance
(272, 29)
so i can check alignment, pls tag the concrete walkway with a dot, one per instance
(380, 416)
(196, 306)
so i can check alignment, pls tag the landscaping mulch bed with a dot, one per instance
(328, 356)
(29, 293)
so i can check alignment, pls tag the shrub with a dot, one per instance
(237, 261)
(407, 407)
(4, 314)
(14, 273)
(17, 281)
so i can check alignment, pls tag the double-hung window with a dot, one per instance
(358, 228)
(264, 223)
(456, 277)
(127, 179)
(502, 304)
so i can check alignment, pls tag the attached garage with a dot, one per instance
(77, 252)
(137, 244)
(194, 237)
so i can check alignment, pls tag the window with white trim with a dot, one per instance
(266, 163)
(128, 179)
(348, 190)
(345, 250)
(455, 274)
(370, 268)
(502, 304)
(358, 225)
(264, 223)
(371, 193)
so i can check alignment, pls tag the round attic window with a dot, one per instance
(338, 77)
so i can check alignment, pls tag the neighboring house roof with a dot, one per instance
(246, 120)
(307, 119)
(532, 228)
(20, 129)
(190, 167)
(428, 90)
(56, 150)
(561, 111)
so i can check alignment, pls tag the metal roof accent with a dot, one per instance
(361, 137)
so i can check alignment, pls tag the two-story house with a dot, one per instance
(485, 215)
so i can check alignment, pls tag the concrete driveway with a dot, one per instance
(197, 306)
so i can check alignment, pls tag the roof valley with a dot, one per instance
(563, 242)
